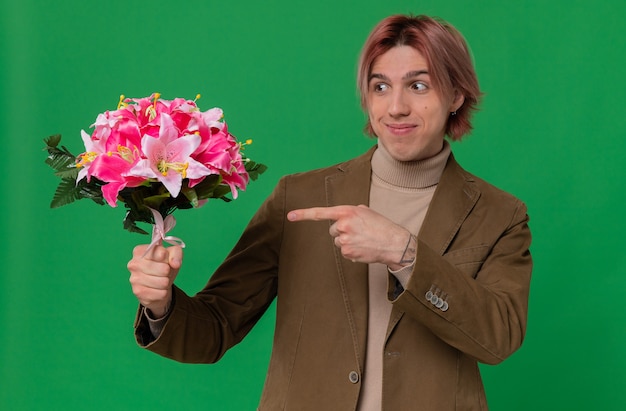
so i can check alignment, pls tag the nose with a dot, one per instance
(399, 105)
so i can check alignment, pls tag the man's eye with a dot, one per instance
(379, 87)
(419, 86)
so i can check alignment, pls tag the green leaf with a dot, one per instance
(255, 169)
(156, 200)
(67, 192)
(53, 140)
(60, 159)
(206, 188)
(191, 195)
(92, 191)
(130, 225)
(221, 192)
(70, 172)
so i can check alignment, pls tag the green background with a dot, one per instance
(551, 131)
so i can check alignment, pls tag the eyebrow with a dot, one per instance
(409, 75)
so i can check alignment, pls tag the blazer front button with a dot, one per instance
(353, 377)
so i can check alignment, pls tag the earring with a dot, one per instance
(453, 113)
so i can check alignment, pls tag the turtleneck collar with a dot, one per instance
(410, 175)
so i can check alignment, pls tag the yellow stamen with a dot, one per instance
(151, 110)
(157, 96)
(197, 97)
(85, 159)
(121, 103)
(181, 168)
(245, 143)
(151, 113)
(162, 167)
(125, 153)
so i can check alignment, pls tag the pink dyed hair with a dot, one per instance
(445, 50)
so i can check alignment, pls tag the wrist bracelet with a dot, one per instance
(403, 259)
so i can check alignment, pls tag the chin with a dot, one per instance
(407, 158)
(402, 153)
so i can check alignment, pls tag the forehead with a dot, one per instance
(399, 60)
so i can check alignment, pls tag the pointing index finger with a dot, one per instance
(318, 213)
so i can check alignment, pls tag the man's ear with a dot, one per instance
(457, 102)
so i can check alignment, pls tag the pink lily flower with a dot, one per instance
(168, 157)
(93, 148)
(219, 151)
(114, 170)
(147, 112)
(112, 167)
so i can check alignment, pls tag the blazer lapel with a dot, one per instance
(351, 186)
(452, 202)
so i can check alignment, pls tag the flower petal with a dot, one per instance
(180, 149)
(109, 168)
(110, 192)
(168, 131)
(143, 168)
(172, 181)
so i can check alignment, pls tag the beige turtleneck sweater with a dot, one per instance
(401, 191)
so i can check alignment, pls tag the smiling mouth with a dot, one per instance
(400, 128)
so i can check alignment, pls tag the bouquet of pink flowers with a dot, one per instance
(155, 156)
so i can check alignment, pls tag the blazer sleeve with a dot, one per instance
(475, 296)
(200, 329)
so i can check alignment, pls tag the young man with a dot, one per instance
(395, 272)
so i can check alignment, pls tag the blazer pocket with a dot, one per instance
(468, 260)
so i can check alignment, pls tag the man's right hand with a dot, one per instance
(152, 276)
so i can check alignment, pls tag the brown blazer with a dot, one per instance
(465, 302)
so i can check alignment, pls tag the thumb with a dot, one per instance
(175, 256)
